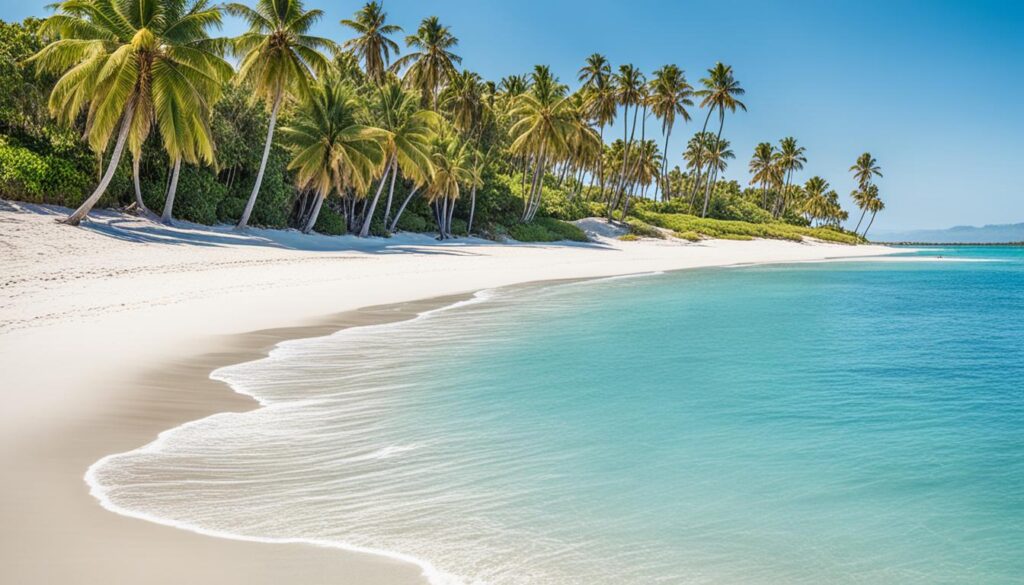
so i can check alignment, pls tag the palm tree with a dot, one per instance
(432, 62)
(277, 60)
(408, 140)
(602, 105)
(134, 63)
(816, 205)
(450, 162)
(762, 169)
(790, 159)
(543, 127)
(462, 99)
(595, 72)
(874, 205)
(631, 90)
(371, 43)
(864, 171)
(861, 197)
(332, 147)
(720, 91)
(717, 155)
(670, 96)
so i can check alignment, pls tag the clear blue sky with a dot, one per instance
(930, 87)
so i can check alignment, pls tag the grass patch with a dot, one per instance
(642, 229)
(629, 238)
(546, 229)
(690, 227)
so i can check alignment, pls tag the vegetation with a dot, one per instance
(357, 137)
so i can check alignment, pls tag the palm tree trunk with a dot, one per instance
(700, 163)
(863, 212)
(663, 179)
(718, 139)
(448, 221)
(115, 158)
(398, 214)
(867, 229)
(316, 213)
(169, 201)
(391, 192)
(600, 165)
(244, 221)
(442, 214)
(365, 229)
(538, 177)
(139, 203)
(472, 210)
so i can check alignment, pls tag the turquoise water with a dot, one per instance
(847, 423)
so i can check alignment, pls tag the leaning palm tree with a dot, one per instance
(791, 158)
(371, 44)
(670, 96)
(408, 137)
(332, 147)
(451, 170)
(720, 91)
(864, 171)
(277, 60)
(861, 197)
(874, 205)
(432, 61)
(131, 64)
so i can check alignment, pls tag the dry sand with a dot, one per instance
(108, 334)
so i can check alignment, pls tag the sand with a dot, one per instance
(108, 334)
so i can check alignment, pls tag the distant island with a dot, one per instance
(962, 234)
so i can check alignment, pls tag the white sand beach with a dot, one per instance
(108, 333)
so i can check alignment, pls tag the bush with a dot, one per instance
(198, 196)
(329, 222)
(413, 222)
(641, 229)
(546, 229)
(28, 176)
(687, 226)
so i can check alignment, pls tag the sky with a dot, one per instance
(931, 88)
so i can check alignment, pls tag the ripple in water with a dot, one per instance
(841, 423)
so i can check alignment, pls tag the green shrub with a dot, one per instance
(413, 222)
(641, 229)
(629, 238)
(28, 176)
(546, 229)
(688, 225)
(691, 236)
(329, 223)
(198, 196)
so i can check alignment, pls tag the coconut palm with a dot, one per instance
(462, 100)
(432, 62)
(542, 130)
(131, 64)
(277, 60)
(720, 91)
(595, 72)
(763, 169)
(602, 104)
(861, 197)
(791, 158)
(864, 171)
(816, 205)
(670, 96)
(450, 162)
(631, 90)
(717, 154)
(874, 205)
(371, 44)
(409, 133)
(332, 147)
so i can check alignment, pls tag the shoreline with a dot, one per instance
(66, 418)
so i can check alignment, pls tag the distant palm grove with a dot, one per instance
(137, 104)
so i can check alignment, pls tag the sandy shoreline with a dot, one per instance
(108, 335)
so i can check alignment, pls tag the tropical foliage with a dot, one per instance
(368, 136)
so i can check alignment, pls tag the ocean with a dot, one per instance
(844, 423)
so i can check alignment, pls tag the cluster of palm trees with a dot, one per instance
(361, 118)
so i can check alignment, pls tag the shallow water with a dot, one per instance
(814, 423)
